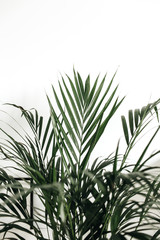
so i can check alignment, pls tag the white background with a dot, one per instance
(40, 39)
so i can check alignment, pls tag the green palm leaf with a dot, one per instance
(81, 201)
(85, 125)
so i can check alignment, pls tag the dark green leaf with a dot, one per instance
(131, 125)
(125, 129)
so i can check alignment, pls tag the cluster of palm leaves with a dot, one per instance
(79, 198)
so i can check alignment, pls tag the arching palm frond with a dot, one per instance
(86, 112)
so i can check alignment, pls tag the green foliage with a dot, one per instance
(104, 199)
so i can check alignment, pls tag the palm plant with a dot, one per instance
(103, 199)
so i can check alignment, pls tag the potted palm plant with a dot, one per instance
(81, 198)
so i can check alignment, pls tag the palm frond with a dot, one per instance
(85, 117)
